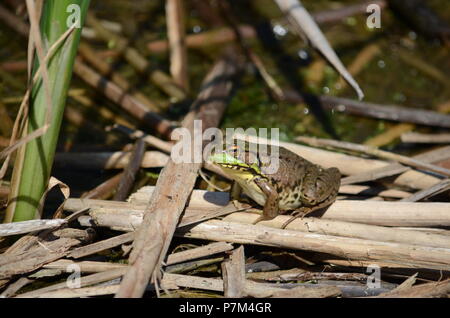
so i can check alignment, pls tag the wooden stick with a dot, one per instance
(29, 226)
(335, 221)
(198, 252)
(129, 174)
(317, 142)
(213, 37)
(347, 229)
(432, 156)
(391, 134)
(370, 191)
(252, 289)
(436, 258)
(176, 34)
(436, 189)
(372, 110)
(107, 70)
(426, 138)
(125, 216)
(46, 252)
(15, 287)
(79, 292)
(84, 266)
(108, 160)
(84, 281)
(429, 290)
(233, 271)
(101, 245)
(171, 193)
(124, 100)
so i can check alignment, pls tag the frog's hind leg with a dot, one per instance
(319, 190)
(320, 187)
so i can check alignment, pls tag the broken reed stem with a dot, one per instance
(108, 160)
(436, 189)
(125, 216)
(412, 137)
(175, 17)
(374, 152)
(167, 202)
(348, 248)
(372, 110)
(129, 174)
(139, 62)
(393, 169)
(113, 92)
(107, 70)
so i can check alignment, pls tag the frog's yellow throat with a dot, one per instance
(234, 166)
(238, 173)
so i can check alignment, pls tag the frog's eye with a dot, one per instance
(234, 149)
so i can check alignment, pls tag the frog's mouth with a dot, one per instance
(233, 165)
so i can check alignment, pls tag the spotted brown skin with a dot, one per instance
(297, 184)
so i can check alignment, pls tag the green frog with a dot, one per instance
(296, 184)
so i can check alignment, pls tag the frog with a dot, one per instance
(297, 185)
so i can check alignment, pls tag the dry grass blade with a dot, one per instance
(305, 24)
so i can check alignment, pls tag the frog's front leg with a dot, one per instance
(271, 208)
(235, 195)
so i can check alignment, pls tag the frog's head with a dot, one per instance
(238, 161)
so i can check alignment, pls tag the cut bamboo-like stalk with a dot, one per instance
(126, 216)
(426, 138)
(349, 248)
(176, 34)
(172, 192)
(317, 142)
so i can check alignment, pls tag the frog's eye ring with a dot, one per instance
(234, 148)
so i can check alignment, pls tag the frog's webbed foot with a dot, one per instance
(299, 213)
(262, 217)
(238, 205)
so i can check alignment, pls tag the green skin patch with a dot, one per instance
(227, 161)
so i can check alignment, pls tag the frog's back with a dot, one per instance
(291, 168)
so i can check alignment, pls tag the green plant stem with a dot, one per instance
(31, 174)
